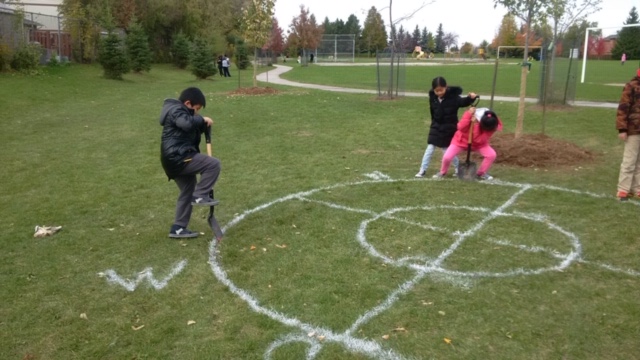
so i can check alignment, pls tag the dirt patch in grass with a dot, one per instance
(539, 151)
(255, 91)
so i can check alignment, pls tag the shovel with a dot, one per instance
(468, 170)
(217, 231)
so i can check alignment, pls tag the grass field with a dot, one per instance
(332, 249)
(603, 80)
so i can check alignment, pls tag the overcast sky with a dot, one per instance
(472, 20)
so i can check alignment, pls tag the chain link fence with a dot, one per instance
(18, 28)
(391, 74)
(336, 48)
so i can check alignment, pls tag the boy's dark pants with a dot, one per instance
(209, 170)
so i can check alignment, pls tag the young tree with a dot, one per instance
(138, 48)
(374, 34)
(257, 25)
(628, 38)
(276, 39)
(526, 10)
(180, 50)
(113, 57)
(306, 32)
(450, 40)
(467, 48)
(202, 60)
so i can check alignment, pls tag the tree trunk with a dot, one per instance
(521, 104)
(255, 67)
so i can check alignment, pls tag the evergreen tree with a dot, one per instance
(374, 34)
(628, 38)
(138, 48)
(202, 60)
(440, 45)
(113, 57)
(180, 50)
(242, 56)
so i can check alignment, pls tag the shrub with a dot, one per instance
(26, 58)
(202, 60)
(113, 58)
(242, 56)
(5, 56)
(138, 48)
(180, 51)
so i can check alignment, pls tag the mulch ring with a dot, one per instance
(539, 151)
(254, 91)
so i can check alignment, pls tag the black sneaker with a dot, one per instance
(204, 201)
(179, 232)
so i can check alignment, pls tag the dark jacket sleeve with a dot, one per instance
(465, 101)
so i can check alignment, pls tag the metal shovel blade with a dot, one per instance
(217, 231)
(467, 171)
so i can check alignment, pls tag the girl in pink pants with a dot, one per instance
(485, 123)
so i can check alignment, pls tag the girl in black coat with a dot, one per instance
(444, 102)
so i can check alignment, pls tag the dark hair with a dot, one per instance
(194, 96)
(438, 82)
(489, 121)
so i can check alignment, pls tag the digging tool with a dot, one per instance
(467, 170)
(217, 231)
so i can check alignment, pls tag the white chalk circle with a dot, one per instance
(421, 265)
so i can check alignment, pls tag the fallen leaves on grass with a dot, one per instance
(448, 341)
(84, 316)
(136, 328)
(191, 322)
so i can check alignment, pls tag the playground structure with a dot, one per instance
(419, 54)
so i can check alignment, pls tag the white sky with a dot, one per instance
(473, 20)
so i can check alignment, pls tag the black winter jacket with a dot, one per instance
(444, 115)
(181, 134)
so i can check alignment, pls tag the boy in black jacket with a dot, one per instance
(181, 158)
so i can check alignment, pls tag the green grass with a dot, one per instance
(83, 152)
(603, 80)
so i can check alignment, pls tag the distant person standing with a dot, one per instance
(623, 58)
(225, 66)
(628, 126)
(219, 63)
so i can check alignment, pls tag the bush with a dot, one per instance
(26, 58)
(5, 57)
(242, 56)
(138, 48)
(113, 58)
(202, 60)
(180, 51)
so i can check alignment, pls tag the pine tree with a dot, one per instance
(628, 38)
(138, 48)
(180, 51)
(440, 45)
(202, 60)
(113, 57)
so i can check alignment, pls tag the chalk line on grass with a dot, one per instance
(113, 277)
(317, 336)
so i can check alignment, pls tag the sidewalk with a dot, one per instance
(273, 77)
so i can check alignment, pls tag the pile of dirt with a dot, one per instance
(255, 91)
(539, 151)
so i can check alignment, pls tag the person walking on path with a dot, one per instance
(182, 128)
(628, 126)
(444, 102)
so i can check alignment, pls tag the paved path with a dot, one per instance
(273, 76)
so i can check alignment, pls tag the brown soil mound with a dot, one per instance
(537, 150)
(255, 91)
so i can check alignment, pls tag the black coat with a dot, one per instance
(444, 115)
(181, 134)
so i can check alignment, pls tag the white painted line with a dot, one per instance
(147, 273)
(422, 265)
